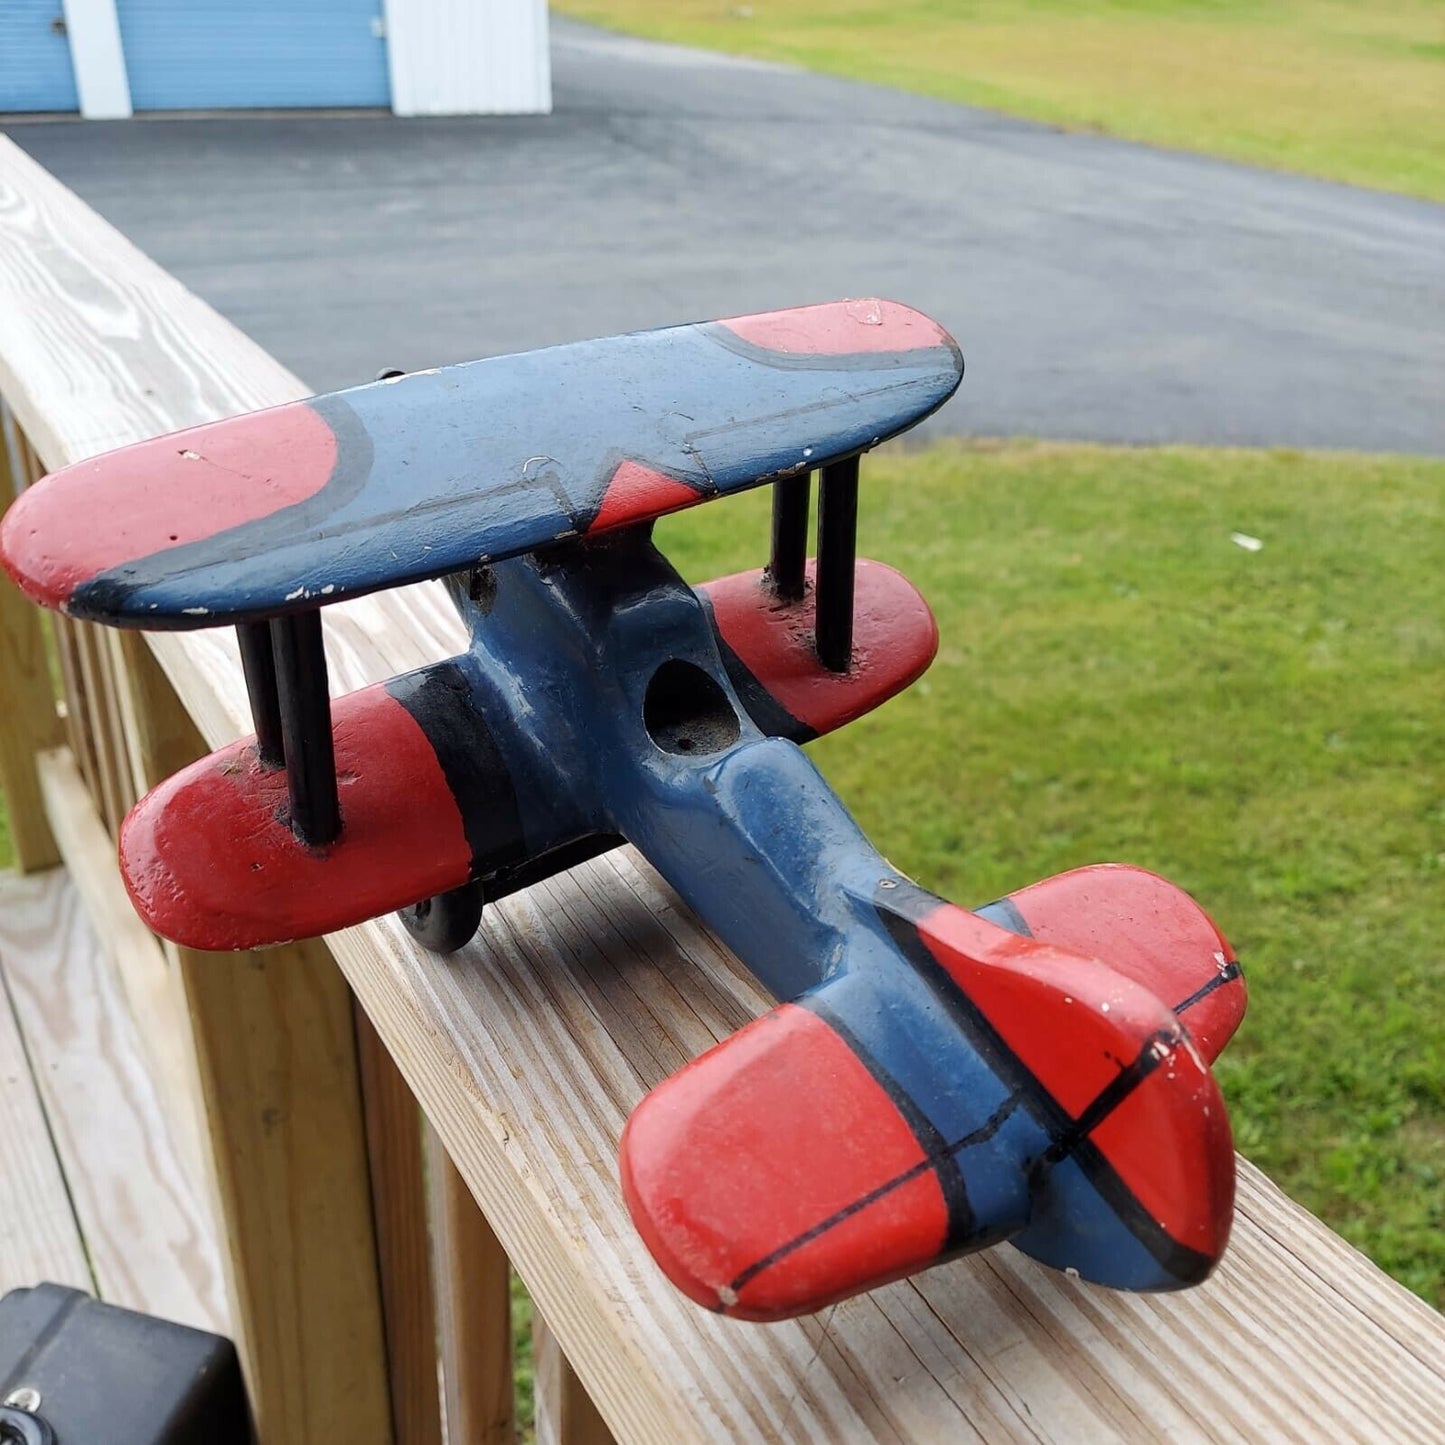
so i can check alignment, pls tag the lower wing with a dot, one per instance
(427, 801)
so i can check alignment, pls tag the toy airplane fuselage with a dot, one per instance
(937, 1080)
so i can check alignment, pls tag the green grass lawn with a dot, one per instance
(1349, 89)
(1118, 680)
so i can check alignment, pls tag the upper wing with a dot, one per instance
(434, 472)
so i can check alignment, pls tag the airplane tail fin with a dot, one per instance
(1027, 1091)
(1147, 929)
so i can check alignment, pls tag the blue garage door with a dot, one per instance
(220, 54)
(35, 69)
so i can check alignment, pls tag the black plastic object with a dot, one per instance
(74, 1371)
(258, 662)
(306, 726)
(786, 567)
(837, 549)
(20, 1427)
(448, 921)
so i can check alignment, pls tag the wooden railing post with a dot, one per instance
(276, 1055)
(399, 1205)
(565, 1414)
(28, 720)
(474, 1309)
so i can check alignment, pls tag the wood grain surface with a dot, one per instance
(273, 1048)
(29, 722)
(138, 964)
(403, 1240)
(146, 1224)
(528, 1049)
(277, 1061)
(39, 1235)
(474, 1319)
(565, 1414)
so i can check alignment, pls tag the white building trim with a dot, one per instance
(98, 60)
(469, 57)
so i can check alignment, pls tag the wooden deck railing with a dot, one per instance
(294, 1075)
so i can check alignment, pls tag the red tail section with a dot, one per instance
(779, 1137)
(1150, 931)
(784, 1169)
(1111, 1055)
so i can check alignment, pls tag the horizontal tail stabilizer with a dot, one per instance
(980, 1085)
(774, 1174)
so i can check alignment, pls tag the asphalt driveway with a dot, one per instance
(1100, 290)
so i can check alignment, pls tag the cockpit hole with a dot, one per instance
(685, 712)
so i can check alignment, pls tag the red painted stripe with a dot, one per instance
(762, 1139)
(637, 494)
(210, 862)
(1170, 1142)
(1149, 930)
(894, 640)
(841, 328)
(94, 516)
(1075, 1024)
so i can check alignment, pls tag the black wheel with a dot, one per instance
(447, 922)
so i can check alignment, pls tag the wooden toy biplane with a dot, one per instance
(934, 1079)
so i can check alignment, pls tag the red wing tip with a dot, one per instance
(155, 892)
(43, 576)
(842, 328)
(152, 497)
(155, 876)
(895, 638)
(210, 861)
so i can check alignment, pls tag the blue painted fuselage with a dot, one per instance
(567, 652)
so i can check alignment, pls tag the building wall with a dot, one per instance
(35, 68)
(423, 57)
(458, 57)
(238, 54)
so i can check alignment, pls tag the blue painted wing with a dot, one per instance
(433, 472)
